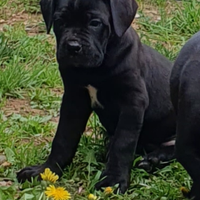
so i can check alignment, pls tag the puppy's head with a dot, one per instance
(83, 27)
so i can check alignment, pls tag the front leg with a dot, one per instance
(74, 113)
(123, 146)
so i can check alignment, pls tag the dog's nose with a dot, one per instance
(73, 46)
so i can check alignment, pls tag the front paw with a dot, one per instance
(110, 179)
(33, 171)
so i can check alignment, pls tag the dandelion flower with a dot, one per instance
(185, 191)
(108, 190)
(48, 175)
(92, 197)
(58, 193)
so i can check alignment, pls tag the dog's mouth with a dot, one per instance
(80, 60)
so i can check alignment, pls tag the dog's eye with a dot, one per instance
(95, 23)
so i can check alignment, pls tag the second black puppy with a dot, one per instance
(105, 68)
(185, 94)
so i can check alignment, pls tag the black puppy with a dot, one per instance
(105, 68)
(185, 95)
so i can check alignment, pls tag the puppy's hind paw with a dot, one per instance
(144, 164)
(157, 159)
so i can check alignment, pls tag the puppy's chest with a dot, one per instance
(106, 97)
(95, 103)
(95, 97)
(103, 98)
(104, 103)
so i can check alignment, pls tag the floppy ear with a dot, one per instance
(47, 8)
(123, 13)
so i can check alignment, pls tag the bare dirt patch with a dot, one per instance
(22, 17)
(20, 106)
(57, 91)
(32, 22)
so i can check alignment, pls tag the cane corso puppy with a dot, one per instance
(105, 68)
(185, 95)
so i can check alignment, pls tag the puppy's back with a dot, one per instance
(185, 96)
(187, 65)
(189, 50)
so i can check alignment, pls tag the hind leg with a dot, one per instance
(188, 152)
(159, 148)
(188, 126)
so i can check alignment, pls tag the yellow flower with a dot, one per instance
(48, 175)
(184, 191)
(108, 190)
(58, 193)
(92, 197)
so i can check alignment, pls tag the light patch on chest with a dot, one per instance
(93, 96)
(169, 143)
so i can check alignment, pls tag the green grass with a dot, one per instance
(29, 74)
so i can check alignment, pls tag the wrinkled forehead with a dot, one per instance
(100, 7)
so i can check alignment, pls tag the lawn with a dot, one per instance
(30, 97)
